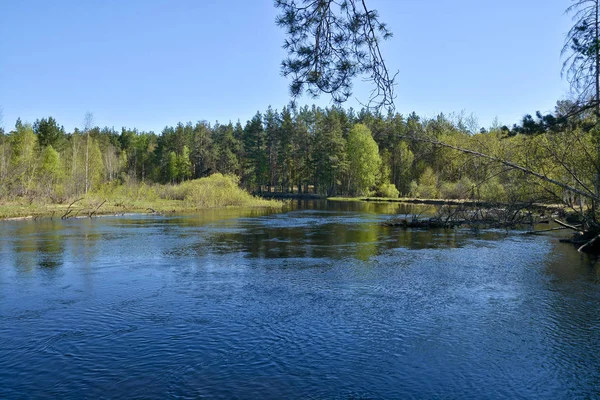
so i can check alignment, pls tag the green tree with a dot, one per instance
(272, 135)
(227, 149)
(287, 137)
(329, 152)
(4, 155)
(95, 165)
(48, 132)
(402, 162)
(427, 187)
(255, 154)
(184, 165)
(88, 124)
(22, 160)
(172, 171)
(363, 160)
(50, 170)
(202, 149)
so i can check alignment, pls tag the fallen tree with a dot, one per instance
(586, 237)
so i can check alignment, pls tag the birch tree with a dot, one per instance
(88, 124)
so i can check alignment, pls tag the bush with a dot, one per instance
(493, 190)
(427, 186)
(462, 189)
(217, 190)
(387, 190)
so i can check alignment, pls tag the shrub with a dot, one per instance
(217, 190)
(492, 190)
(387, 190)
(461, 189)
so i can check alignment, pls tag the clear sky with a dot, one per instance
(151, 63)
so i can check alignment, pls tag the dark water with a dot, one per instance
(317, 303)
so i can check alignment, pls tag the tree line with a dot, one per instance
(326, 151)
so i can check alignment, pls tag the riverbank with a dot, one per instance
(216, 191)
(91, 207)
(446, 202)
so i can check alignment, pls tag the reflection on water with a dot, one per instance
(319, 301)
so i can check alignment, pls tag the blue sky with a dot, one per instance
(151, 63)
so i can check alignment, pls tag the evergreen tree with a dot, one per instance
(172, 171)
(255, 156)
(49, 133)
(227, 149)
(202, 150)
(287, 137)
(329, 152)
(272, 135)
(330, 42)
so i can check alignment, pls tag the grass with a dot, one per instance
(215, 191)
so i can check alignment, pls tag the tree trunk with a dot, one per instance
(87, 162)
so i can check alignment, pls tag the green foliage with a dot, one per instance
(48, 132)
(387, 190)
(462, 189)
(184, 165)
(23, 145)
(50, 167)
(96, 166)
(493, 190)
(22, 159)
(427, 186)
(401, 160)
(308, 150)
(255, 156)
(363, 160)
(172, 167)
(217, 190)
(329, 152)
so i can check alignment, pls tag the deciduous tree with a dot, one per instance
(363, 160)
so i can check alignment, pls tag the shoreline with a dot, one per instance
(20, 212)
(446, 202)
(14, 211)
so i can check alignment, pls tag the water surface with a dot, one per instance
(317, 302)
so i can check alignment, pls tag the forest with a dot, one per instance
(311, 150)
(376, 151)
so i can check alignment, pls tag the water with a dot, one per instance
(320, 302)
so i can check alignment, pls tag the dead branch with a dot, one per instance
(96, 209)
(69, 210)
(566, 225)
(589, 243)
(560, 228)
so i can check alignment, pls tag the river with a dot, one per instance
(317, 302)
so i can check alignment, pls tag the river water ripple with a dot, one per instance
(318, 302)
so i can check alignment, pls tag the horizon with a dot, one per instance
(164, 64)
